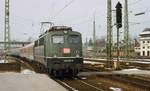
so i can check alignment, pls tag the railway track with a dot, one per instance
(100, 83)
(133, 80)
(23, 63)
(146, 77)
(138, 81)
(33, 66)
(88, 67)
(76, 84)
(141, 64)
(107, 82)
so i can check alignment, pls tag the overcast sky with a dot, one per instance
(26, 16)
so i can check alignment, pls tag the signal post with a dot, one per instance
(118, 26)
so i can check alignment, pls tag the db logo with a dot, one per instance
(66, 50)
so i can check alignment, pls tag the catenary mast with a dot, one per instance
(109, 32)
(7, 26)
(126, 30)
(94, 37)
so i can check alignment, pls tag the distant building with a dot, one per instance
(137, 47)
(144, 43)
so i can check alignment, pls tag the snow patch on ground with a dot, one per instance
(115, 89)
(134, 69)
(2, 61)
(144, 62)
(27, 71)
(93, 63)
(83, 78)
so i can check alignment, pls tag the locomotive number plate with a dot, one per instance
(68, 60)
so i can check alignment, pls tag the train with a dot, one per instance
(59, 49)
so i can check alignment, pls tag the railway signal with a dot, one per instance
(119, 15)
(118, 25)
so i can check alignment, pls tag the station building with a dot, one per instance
(144, 41)
(137, 47)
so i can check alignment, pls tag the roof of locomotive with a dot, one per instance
(57, 29)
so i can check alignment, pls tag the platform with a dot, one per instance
(28, 82)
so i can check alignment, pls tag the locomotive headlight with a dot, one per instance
(77, 55)
(55, 55)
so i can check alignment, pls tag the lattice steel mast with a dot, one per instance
(126, 31)
(109, 32)
(94, 37)
(7, 26)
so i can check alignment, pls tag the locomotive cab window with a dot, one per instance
(74, 39)
(58, 39)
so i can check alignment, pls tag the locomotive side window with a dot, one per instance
(58, 39)
(74, 39)
(41, 41)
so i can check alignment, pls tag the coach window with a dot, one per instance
(74, 39)
(58, 39)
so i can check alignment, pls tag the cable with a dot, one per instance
(63, 8)
(135, 2)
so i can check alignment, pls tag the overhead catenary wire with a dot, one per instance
(63, 9)
(135, 2)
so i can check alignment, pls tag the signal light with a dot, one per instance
(119, 15)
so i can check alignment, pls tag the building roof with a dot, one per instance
(145, 32)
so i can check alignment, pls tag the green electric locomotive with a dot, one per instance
(60, 50)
